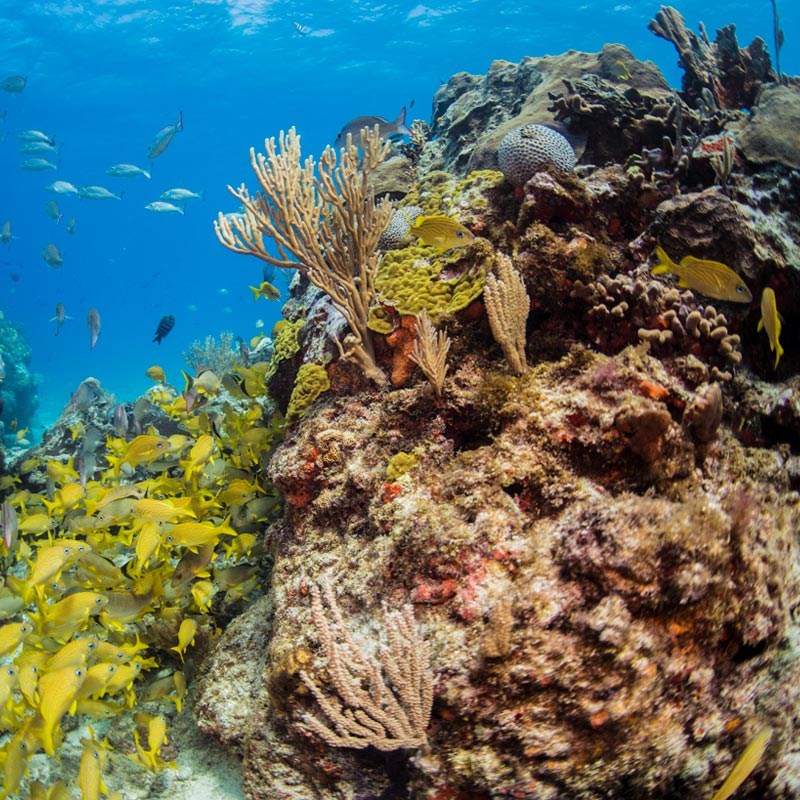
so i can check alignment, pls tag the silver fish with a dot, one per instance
(181, 195)
(52, 256)
(10, 525)
(161, 207)
(127, 171)
(98, 193)
(72, 225)
(38, 164)
(387, 129)
(60, 316)
(36, 136)
(164, 137)
(51, 209)
(62, 187)
(121, 420)
(5, 233)
(38, 147)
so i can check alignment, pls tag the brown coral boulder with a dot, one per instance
(771, 134)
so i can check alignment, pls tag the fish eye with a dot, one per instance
(460, 234)
(159, 445)
(740, 289)
(78, 673)
(10, 671)
(66, 551)
(24, 629)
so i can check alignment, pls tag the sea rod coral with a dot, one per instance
(324, 218)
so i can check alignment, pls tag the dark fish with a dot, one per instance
(14, 83)
(164, 137)
(93, 323)
(386, 129)
(164, 327)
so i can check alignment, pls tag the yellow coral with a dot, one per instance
(311, 381)
(409, 281)
(399, 464)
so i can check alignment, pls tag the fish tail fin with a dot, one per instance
(183, 210)
(760, 325)
(664, 262)
(254, 291)
(203, 194)
(778, 353)
(179, 123)
(400, 123)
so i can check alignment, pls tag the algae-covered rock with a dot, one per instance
(771, 134)
(18, 389)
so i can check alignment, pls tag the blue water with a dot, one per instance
(105, 77)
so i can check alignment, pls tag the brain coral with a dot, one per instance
(398, 228)
(533, 148)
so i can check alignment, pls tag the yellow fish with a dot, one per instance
(157, 374)
(35, 523)
(619, 70)
(144, 449)
(148, 540)
(151, 510)
(710, 278)
(97, 679)
(13, 635)
(202, 594)
(745, 765)
(61, 473)
(93, 762)
(73, 654)
(199, 455)
(65, 499)
(50, 561)
(196, 534)
(29, 664)
(156, 739)
(266, 290)
(57, 691)
(186, 635)
(21, 434)
(440, 232)
(9, 676)
(771, 322)
(71, 614)
(17, 751)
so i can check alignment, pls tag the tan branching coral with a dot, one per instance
(430, 352)
(507, 305)
(382, 700)
(323, 222)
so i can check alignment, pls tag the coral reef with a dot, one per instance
(545, 549)
(597, 537)
(18, 395)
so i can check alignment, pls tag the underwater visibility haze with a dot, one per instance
(104, 78)
(447, 449)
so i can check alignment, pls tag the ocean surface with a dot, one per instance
(104, 78)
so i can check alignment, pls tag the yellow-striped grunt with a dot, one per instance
(57, 691)
(440, 232)
(771, 322)
(710, 278)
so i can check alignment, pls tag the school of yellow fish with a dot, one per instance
(110, 580)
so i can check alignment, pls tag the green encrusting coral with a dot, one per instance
(311, 381)
(399, 464)
(409, 280)
(441, 193)
(286, 345)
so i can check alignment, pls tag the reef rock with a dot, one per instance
(602, 608)
(472, 113)
(771, 134)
